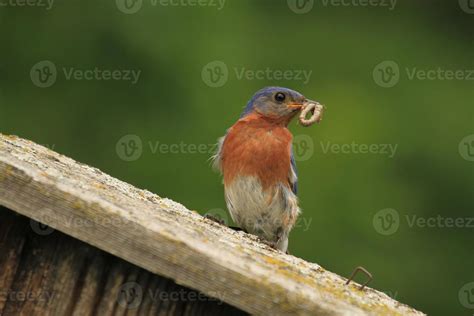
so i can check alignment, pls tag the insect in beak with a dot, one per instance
(315, 108)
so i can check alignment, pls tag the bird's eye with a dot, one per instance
(280, 97)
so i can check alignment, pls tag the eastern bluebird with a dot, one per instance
(256, 160)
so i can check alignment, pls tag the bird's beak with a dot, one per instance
(295, 106)
(300, 105)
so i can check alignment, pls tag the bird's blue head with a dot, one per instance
(276, 103)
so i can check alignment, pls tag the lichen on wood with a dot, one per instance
(166, 238)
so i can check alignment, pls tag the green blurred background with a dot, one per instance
(175, 102)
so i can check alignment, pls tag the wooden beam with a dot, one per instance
(45, 272)
(165, 238)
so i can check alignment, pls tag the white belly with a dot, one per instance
(268, 214)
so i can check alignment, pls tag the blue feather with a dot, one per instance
(294, 186)
(265, 91)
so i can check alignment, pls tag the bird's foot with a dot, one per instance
(272, 244)
(215, 219)
(221, 221)
(238, 229)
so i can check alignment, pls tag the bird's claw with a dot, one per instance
(221, 221)
(215, 219)
(271, 244)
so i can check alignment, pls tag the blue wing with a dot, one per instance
(294, 181)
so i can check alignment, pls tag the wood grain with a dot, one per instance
(166, 238)
(55, 274)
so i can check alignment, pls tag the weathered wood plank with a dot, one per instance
(164, 237)
(55, 274)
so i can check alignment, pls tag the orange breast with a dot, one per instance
(257, 147)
